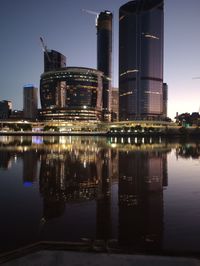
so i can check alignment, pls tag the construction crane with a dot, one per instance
(44, 48)
(92, 13)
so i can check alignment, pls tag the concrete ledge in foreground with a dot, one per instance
(70, 258)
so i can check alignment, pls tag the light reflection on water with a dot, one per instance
(142, 194)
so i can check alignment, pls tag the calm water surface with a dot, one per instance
(141, 194)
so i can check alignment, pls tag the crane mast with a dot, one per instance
(91, 12)
(44, 48)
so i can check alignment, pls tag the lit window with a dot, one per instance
(129, 71)
(150, 36)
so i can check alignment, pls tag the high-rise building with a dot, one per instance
(53, 60)
(165, 99)
(30, 101)
(141, 24)
(104, 55)
(114, 104)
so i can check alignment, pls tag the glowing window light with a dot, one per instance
(151, 36)
(129, 71)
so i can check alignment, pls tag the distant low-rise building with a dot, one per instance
(17, 115)
(5, 109)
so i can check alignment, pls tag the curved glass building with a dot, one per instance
(71, 93)
(141, 25)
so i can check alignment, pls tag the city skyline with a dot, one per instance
(22, 55)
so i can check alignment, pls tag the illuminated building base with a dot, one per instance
(78, 114)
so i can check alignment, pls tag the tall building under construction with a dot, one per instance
(104, 56)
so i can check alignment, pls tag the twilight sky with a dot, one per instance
(67, 29)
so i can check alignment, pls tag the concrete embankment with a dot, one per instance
(73, 254)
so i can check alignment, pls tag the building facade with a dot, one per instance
(165, 99)
(141, 217)
(5, 109)
(53, 60)
(114, 104)
(30, 102)
(141, 25)
(104, 55)
(71, 93)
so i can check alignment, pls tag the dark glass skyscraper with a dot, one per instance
(104, 54)
(53, 60)
(141, 25)
(165, 99)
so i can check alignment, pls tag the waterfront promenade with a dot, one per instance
(91, 128)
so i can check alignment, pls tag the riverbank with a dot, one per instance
(51, 133)
(61, 258)
(167, 132)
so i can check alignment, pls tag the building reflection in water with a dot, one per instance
(30, 167)
(67, 175)
(142, 175)
(103, 227)
(76, 170)
(65, 178)
(81, 172)
(85, 172)
(5, 160)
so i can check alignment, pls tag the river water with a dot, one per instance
(139, 195)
